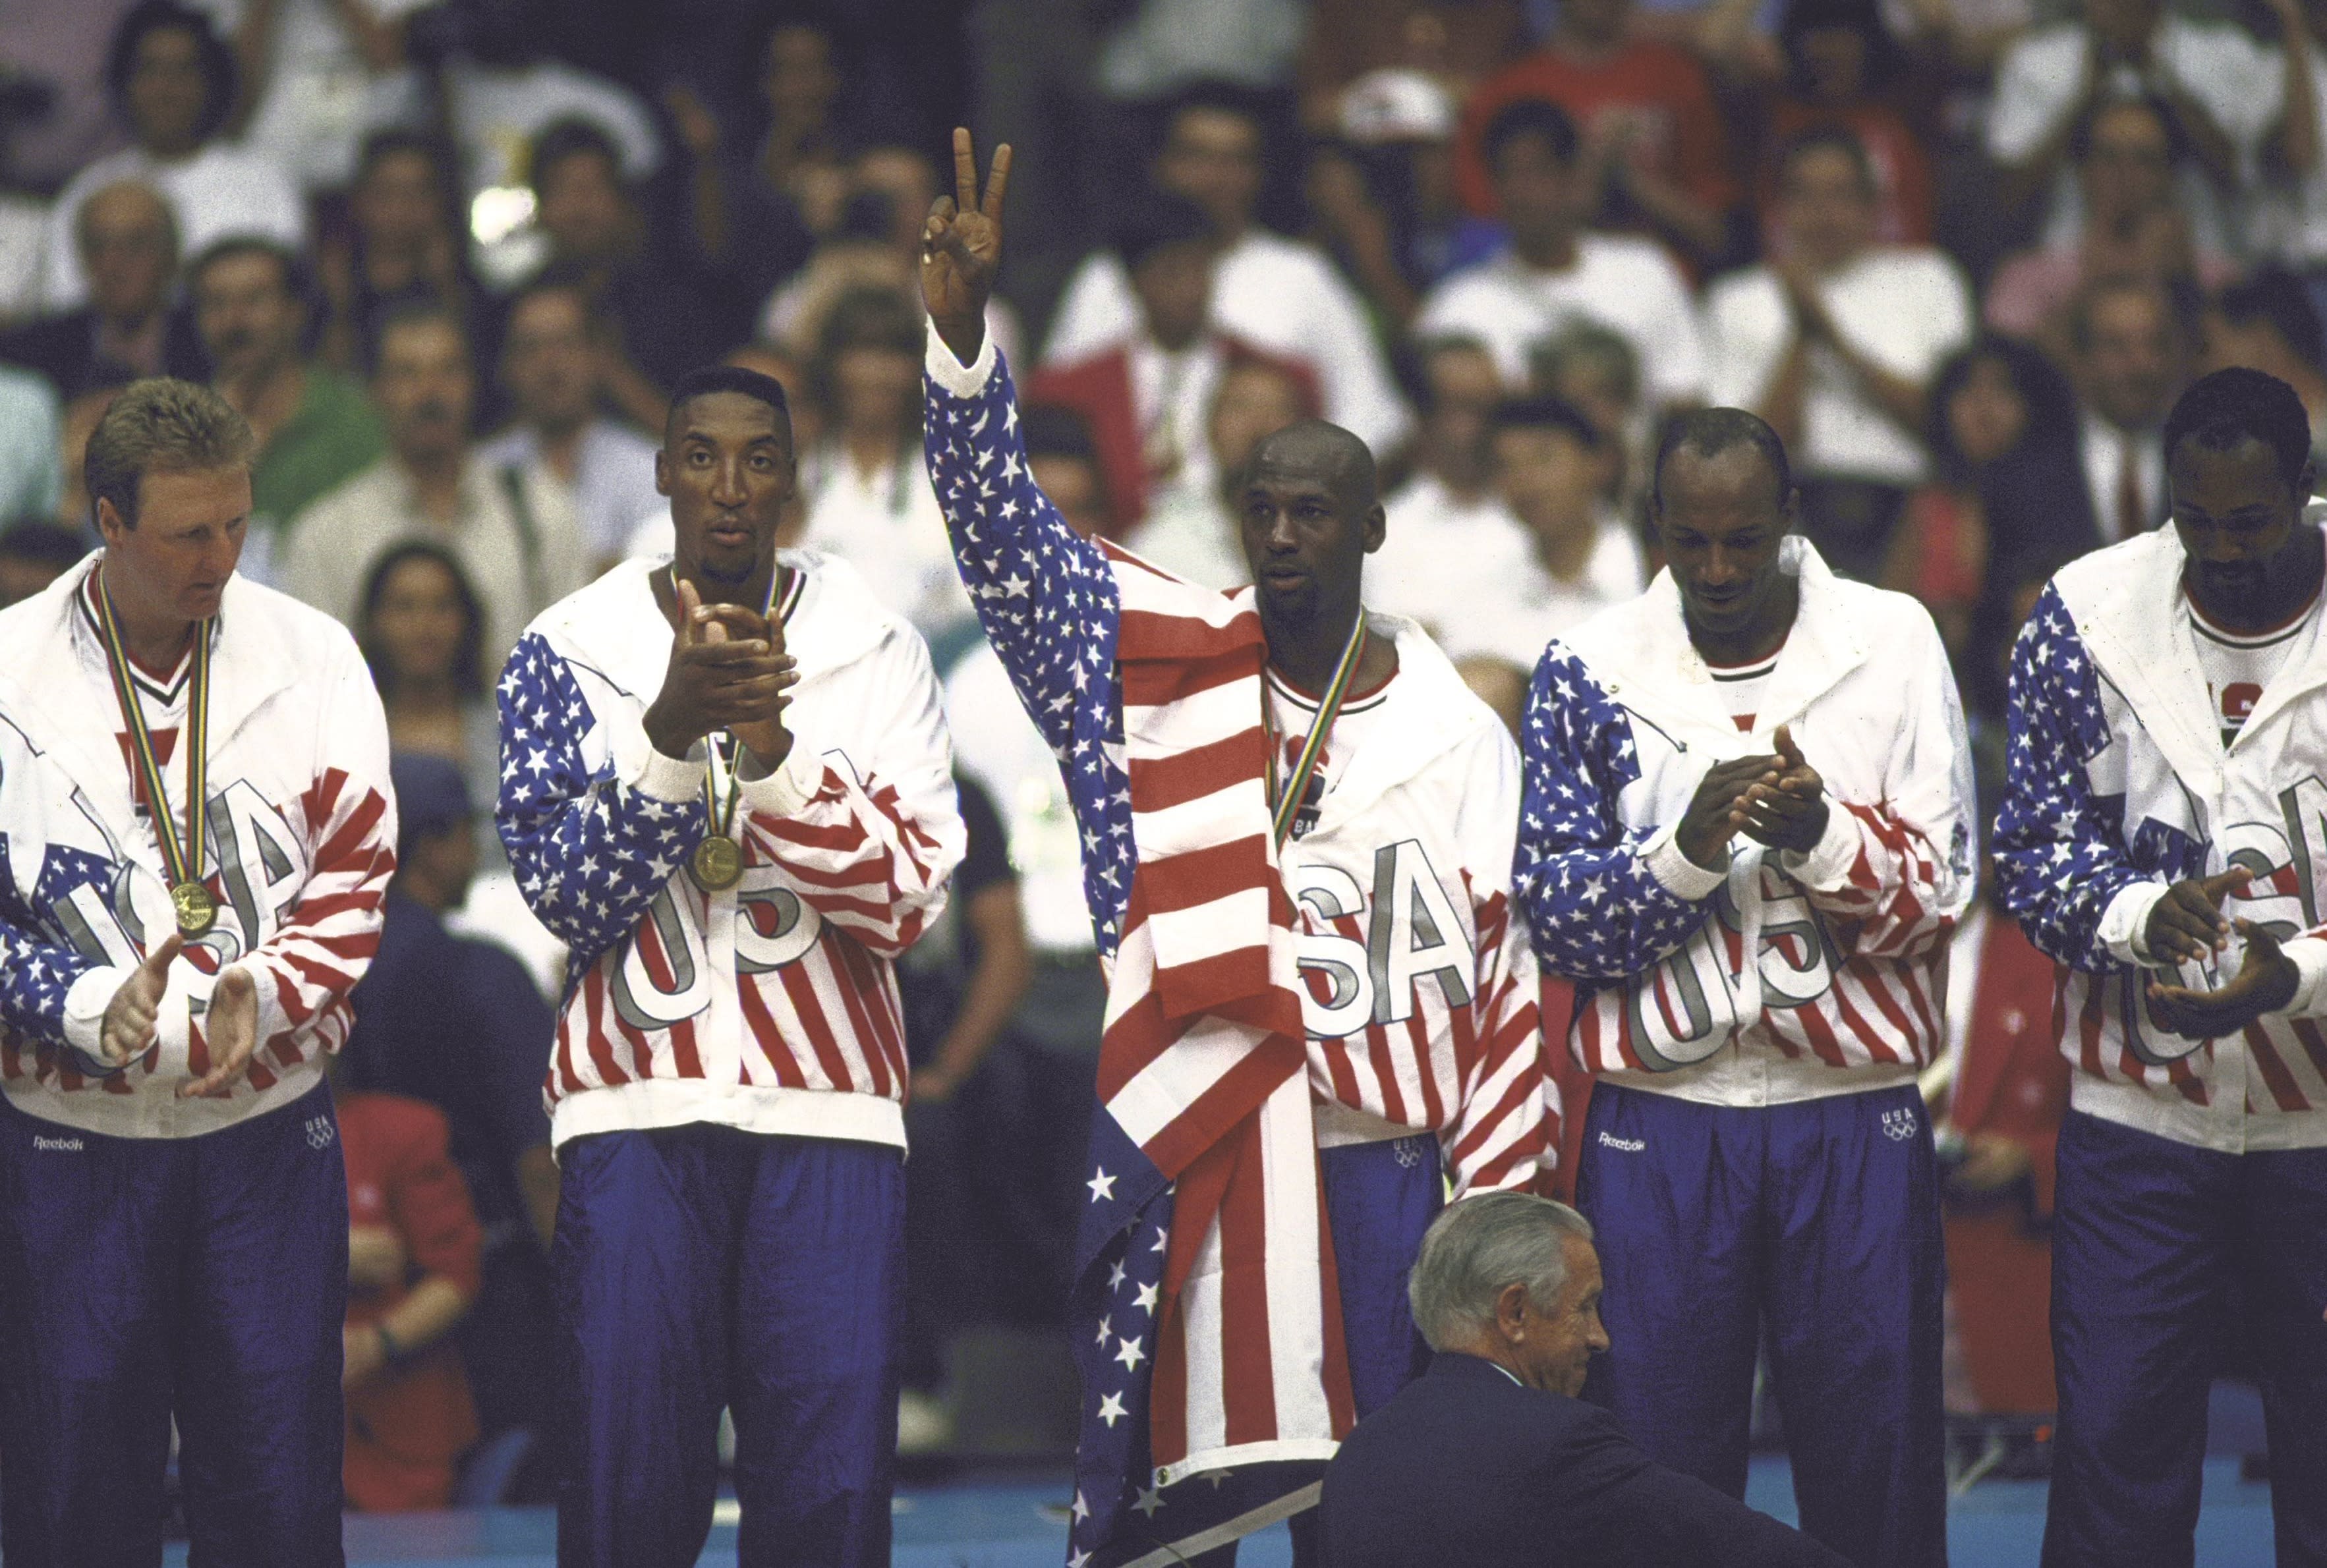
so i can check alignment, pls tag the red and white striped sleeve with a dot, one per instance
(866, 827)
(1505, 1133)
(327, 938)
(1901, 869)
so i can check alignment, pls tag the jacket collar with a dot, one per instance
(1435, 712)
(1645, 647)
(252, 661)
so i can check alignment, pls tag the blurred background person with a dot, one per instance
(31, 446)
(33, 554)
(1832, 342)
(316, 426)
(310, 74)
(567, 457)
(2268, 321)
(421, 631)
(405, 240)
(1147, 398)
(1275, 293)
(2131, 343)
(132, 326)
(1381, 193)
(1843, 72)
(1596, 368)
(1447, 508)
(431, 485)
(868, 492)
(1197, 532)
(172, 79)
(1556, 268)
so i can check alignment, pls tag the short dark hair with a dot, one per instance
(468, 657)
(1156, 220)
(216, 56)
(404, 312)
(2220, 410)
(1529, 118)
(707, 379)
(1709, 432)
(1543, 411)
(395, 141)
(2080, 134)
(2274, 294)
(568, 138)
(869, 316)
(1830, 138)
(566, 276)
(289, 263)
(1225, 98)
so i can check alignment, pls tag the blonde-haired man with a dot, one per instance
(196, 831)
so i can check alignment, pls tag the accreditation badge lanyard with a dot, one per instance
(195, 906)
(1285, 799)
(717, 863)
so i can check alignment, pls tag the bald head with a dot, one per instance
(1315, 450)
(129, 242)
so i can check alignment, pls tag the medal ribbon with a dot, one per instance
(1284, 801)
(721, 819)
(184, 863)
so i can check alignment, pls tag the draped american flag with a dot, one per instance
(1206, 1315)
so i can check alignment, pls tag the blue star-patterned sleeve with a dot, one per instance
(589, 850)
(2061, 854)
(1595, 909)
(1048, 601)
(35, 973)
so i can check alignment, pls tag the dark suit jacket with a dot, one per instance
(1466, 1466)
(64, 350)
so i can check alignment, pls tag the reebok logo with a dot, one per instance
(57, 1145)
(1623, 1145)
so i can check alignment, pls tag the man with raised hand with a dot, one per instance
(1746, 837)
(2161, 840)
(196, 835)
(1296, 825)
(725, 784)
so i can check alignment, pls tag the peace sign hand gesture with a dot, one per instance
(961, 249)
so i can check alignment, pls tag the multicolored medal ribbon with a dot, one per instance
(1284, 800)
(194, 903)
(717, 863)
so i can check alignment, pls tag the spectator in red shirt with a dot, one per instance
(1654, 147)
(1840, 63)
(413, 1254)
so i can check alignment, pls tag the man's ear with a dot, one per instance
(1377, 528)
(662, 473)
(109, 522)
(1510, 1311)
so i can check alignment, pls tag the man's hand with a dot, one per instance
(376, 1257)
(715, 681)
(1790, 812)
(1717, 811)
(128, 1029)
(961, 249)
(1802, 301)
(230, 1029)
(362, 1355)
(2265, 983)
(2187, 926)
(1991, 1163)
(767, 738)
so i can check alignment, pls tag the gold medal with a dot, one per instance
(197, 908)
(716, 864)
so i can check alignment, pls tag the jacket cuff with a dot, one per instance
(2126, 920)
(1826, 868)
(85, 1004)
(2309, 957)
(668, 778)
(953, 376)
(790, 786)
(1676, 874)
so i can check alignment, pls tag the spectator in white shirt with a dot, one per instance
(1448, 516)
(1275, 293)
(1835, 341)
(172, 79)
(2222, 90)
(1194, 533)
(2133, 342)
(310, 72)
(868, 492)
(1556, 272)
(568, 457)
(1596, 368)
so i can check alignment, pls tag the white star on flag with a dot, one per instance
(1111, 1409)
(1101, 1185)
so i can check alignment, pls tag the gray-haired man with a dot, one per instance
(1491, 1459)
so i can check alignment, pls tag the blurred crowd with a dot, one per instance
(449, 258)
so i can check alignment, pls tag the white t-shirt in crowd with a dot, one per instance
(1509, 616)
(1190, 534)
(1904, 308)
(2286, 221)
(1274, 292)
(887, 524)
(2240, 664)
(613, 481)
(997, 746)
(1439, 551)
(1619, 281)
(218, 192)
(2041, 81)
(319, 96)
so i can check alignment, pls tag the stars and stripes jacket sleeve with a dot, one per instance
(1898, 870)
(307, 967)
(38, 974)
(2060, 858)
(873, 854)
(1595, 908)
(1045, 596)
(1507, 1134)
(594, 820)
